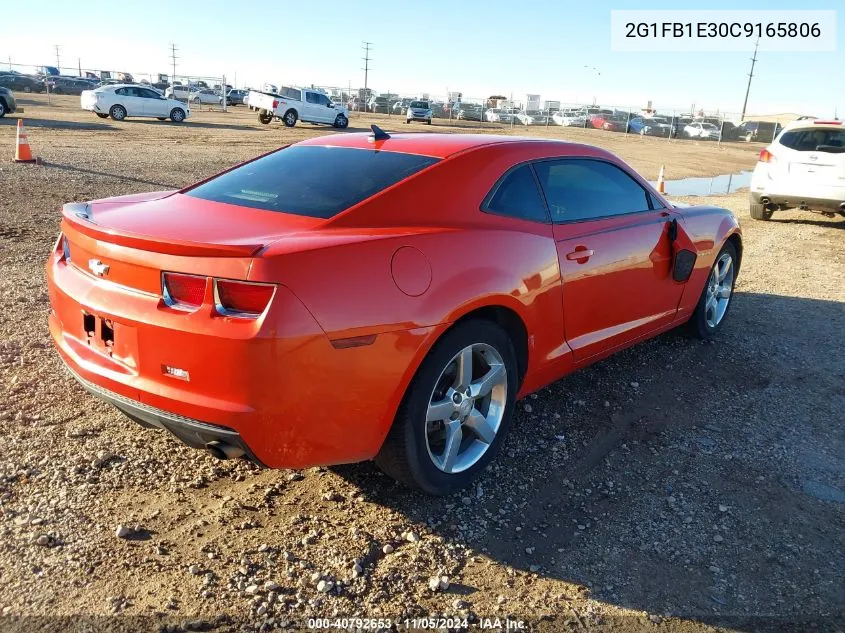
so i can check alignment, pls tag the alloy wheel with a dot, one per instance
(719, 289)
(466, 407)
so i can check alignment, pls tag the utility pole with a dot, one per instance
(750, 75)
(173, 58)
(366, 46)
(58, 63)
(79, 61)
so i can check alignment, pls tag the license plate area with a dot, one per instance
(108, 337)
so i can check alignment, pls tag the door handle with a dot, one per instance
(580, 253)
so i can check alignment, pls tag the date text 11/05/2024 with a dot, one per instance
(722, 29)
(417, 624)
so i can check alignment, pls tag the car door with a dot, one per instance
(328, 113)
(309, 107)
(152, 103)
(614, 253)
(128, 98)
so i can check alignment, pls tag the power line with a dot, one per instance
(366, 46)
(750, 75)
(173, 57)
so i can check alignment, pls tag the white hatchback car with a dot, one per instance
(803, 168)
(122, 100)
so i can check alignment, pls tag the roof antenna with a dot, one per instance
(378, 134)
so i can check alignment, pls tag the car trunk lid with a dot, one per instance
(113, 239)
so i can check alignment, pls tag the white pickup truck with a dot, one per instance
(297, 104)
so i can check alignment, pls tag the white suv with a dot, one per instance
(804, 167)
(418, 111)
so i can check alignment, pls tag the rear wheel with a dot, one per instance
(265, 117)
(290, 118)
(118, 112)
(102, 115)
(759, 211)
(456, 412)
(716, 296)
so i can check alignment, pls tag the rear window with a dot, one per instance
(814, 140)
(319, 182)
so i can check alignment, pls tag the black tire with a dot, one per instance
(404, 454)
(697, 325)
(428, 122)
(341, 122)
(265, 117)
(27, 89)
(161, 118)
(407, 121)
(102, 115)
(289, 118)
(759, 211)
(177, 115)
(3, 108)
(117, 112)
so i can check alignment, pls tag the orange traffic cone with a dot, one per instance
(661, 182)
(23, 154)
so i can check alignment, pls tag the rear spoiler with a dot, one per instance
(77, 218)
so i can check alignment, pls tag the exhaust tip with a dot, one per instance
(224, 451)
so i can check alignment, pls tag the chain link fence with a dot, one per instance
(497, 110)
(202, 92)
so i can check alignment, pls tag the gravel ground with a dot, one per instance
(679, 485)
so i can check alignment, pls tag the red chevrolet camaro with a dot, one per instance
(356, 297)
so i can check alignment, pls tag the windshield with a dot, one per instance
(319, 182)
(420, 104)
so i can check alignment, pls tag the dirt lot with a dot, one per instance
(679, 486)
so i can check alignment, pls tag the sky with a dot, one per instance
(557, 49)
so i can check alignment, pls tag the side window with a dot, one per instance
(578, 189)
(312, 97)
(147, 94)
(121, 92)
(323, 100)
(517, 196)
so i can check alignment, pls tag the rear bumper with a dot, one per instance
(291, 399)
(792, 201)
(192, 432)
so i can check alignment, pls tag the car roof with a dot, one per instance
(441, 145)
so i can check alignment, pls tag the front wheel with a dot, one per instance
(456, 412)
(290, 118)
(716, 296)
(341, 122)
(177, 115)
(118, 112)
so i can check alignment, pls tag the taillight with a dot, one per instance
(766, 157)
(183, 291)
(275, 103)
(242, 298)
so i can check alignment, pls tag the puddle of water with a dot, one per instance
(726, 183)
(823, 492)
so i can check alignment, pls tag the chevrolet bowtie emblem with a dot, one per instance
(98, 268)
